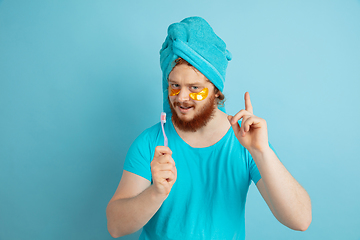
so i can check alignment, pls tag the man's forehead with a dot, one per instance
(189, 81)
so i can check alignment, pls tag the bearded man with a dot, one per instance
(196, 187)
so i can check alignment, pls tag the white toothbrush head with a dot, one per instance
(163, 117)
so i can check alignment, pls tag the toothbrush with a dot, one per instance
(163, 121)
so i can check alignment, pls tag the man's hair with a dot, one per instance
(220, 99)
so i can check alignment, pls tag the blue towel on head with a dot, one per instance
(194, 40)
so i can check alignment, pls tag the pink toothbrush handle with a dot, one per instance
(165, 138)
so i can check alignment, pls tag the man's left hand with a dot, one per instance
(252, 133)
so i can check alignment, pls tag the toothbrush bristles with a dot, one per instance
(163, 117)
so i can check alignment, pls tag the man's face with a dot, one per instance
(190, 114)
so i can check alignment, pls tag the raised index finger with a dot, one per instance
(248, 106)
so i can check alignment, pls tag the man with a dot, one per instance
(196, 187)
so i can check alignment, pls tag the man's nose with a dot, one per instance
(183, 95)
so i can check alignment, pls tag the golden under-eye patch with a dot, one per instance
(174, 92)
(195, 96)
(200, 95)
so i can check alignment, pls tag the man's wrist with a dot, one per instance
(155, 195)
(260, 153)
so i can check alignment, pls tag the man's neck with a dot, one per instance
(209, 134)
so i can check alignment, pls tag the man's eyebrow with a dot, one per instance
(188, 84)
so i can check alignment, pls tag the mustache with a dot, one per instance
(184, 104)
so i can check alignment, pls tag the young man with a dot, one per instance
(196, 187)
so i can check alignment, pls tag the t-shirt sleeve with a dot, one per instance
(139, 157)
(254, 171)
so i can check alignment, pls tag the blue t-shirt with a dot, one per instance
(207, 201)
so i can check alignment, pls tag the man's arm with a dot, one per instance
(286, 198)
(132, 205)
(288, 201)
(136, 201)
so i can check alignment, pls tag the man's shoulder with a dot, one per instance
(148, 139)
(154, 129)
(150, 133)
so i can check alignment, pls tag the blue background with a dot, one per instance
(80, 80)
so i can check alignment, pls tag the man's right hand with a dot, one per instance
(163, 170)
(136, 201)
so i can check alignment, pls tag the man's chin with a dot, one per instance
(191, 121)
(185, 116)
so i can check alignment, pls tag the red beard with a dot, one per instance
(200, 119)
